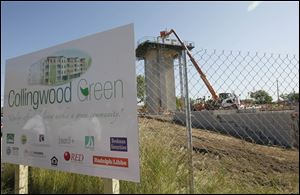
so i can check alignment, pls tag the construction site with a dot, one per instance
(241, 105)
(165, 97)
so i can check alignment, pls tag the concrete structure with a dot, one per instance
(158, 56)
(268, 128)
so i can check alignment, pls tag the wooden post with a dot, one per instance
(111, 186)
(21, 179)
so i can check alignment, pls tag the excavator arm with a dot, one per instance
(202, 75)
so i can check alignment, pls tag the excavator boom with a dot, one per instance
(202, 75)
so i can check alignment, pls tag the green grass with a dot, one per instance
(48, 181)
(163, 168)
(7, 179)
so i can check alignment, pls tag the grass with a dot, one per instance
(163, 168)
(47, 181)
(217, 179)
(7, 179)
(163, 159)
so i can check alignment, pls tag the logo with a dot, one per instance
(67, 156)
(89, 142)
(54, 161)
(65, 140)
(8, 150)
(42, 141)
(41, 138)
(73, 157)
(10, 138)
(32, 153)
(23, 139)
(84, 91)
(118, 144)
(15, 151)
(110, 161)
(12, 150)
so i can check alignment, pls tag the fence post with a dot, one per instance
(21, 179)
(181, 82)
(188, 127)
(111, 186)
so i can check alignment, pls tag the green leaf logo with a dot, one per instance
(84, 91)
(23, 139)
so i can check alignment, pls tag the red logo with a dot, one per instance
(67, 156)
(73, 157)
(110, 161)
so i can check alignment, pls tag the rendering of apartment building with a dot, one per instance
(60, 69)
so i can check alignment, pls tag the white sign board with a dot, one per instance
(72, 107)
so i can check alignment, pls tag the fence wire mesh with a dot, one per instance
(246, 141)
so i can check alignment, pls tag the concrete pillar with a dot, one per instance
(160, 83)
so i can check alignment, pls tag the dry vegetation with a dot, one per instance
(252, 167)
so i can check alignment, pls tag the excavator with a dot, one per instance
(223, 101)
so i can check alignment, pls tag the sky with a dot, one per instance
(244, 26)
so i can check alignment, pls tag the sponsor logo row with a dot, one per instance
(116, 143)
(72, 157)
(97, 160)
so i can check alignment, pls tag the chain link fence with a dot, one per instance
(246, 141)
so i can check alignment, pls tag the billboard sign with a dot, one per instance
(72, 107)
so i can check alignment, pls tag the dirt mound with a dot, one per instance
(243, 156)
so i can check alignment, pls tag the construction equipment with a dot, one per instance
(224, 100)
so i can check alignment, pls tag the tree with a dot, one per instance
(290, 97)
(261, 97)
(140, 88)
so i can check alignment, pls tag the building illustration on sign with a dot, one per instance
(58, 69)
